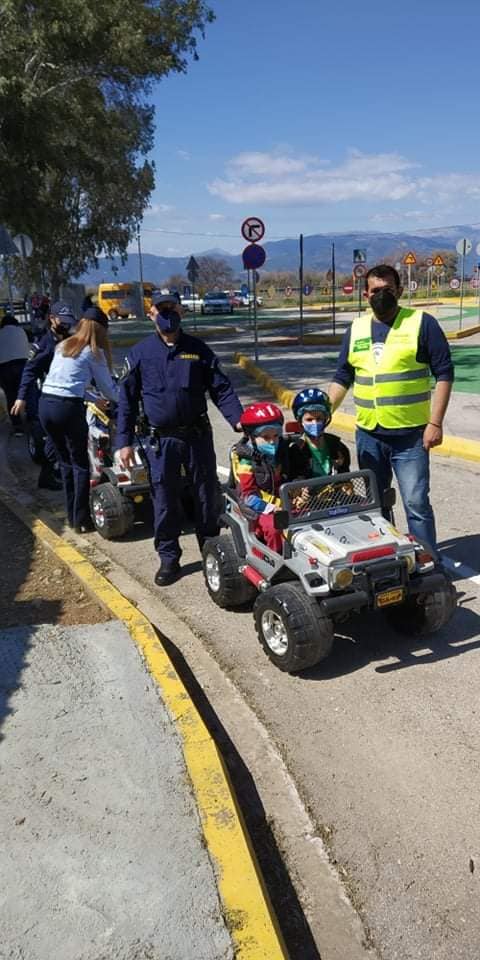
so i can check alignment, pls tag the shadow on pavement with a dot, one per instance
(463, 550)
(372, 639)
(291, 919)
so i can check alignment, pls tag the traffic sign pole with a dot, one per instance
(255, 328)
(334, 304)
(300, 277)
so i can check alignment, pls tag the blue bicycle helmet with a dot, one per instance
(311, 399)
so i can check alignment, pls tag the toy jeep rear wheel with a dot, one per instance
(291, 627)
(225, 584)
(424, 614)
(112, 514)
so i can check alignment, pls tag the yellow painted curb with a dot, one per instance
(248, 913)
(460, 334)
(451, 446)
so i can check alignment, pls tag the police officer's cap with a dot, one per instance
(64, 313)
(160, 298)
(94, 313)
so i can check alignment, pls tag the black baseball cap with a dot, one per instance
(94, 313)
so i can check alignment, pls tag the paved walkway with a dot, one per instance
(103, 849)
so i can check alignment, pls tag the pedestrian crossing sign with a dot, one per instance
(439, 261)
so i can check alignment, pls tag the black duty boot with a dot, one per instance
(47, 479)
(167, 574)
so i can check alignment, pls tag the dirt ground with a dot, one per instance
(34, 586)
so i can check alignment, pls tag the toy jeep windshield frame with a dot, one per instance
(343, 494)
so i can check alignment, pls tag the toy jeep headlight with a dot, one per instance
(341, 578)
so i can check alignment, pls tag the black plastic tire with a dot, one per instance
(291, 627)
(227, 587)
(424, 614)
(112, 514)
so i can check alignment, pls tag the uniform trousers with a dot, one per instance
(63, 419)
(166, 456)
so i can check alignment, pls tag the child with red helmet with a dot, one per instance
(260, 465)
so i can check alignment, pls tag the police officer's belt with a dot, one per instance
(197, 429)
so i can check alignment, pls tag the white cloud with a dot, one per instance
(184, 155)
(216, 216)
(285, 179)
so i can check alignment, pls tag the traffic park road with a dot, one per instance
(380, 741)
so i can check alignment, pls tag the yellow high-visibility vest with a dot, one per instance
(395, 392)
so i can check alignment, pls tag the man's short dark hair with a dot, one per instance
(384, 272)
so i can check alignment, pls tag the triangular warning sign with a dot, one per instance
(438, 261)
(409, 259)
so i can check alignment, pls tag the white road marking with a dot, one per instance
(223, 471)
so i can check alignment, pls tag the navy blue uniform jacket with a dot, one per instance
(38, 363)
(172, 384)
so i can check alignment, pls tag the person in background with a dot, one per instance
(389, 355)
(316, 453)
(260, 465)
(171, 372)
(62, 321)
(87, 303)
(14, 350)
(83, 357)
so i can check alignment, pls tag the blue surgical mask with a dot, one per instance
(267, 449)
(315, 428)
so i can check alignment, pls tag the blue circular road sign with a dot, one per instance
(307, 289)
(253, 256)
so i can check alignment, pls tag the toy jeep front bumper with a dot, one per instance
(370, 584)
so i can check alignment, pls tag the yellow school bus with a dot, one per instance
(122, 300)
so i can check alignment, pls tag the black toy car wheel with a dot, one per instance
(424, 614)
(227, 587)
(112, 514)
(291, 627)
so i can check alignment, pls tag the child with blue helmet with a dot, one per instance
(315, 453)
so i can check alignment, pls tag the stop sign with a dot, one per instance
(348, 287)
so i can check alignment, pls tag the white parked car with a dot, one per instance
(217, 302)
(187, 303)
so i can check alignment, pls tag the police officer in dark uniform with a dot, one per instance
(62, 322)
(171, 373)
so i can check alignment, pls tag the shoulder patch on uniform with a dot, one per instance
(34, 349)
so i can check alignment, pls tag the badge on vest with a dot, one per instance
(363, 344)
(189, 356)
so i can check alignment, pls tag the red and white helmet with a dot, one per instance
(261, 415)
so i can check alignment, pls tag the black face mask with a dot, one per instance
(61, 332)
(383, 302)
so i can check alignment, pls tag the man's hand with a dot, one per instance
(432, 436)
(126, 457)
(18, 408)
(238, 427)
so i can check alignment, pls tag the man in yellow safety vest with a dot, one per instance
(389, 356)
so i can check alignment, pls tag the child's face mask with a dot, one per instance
(267, 447)
(314, 428)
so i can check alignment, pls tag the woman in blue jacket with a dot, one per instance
(84, 357)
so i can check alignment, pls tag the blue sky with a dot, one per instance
(319, 118)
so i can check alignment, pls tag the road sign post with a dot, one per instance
(300, 280)
(409, 259)
(477, 251)
(359, 272)
(193, 271)
(463, 247)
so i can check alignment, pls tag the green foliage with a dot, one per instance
(75, 124)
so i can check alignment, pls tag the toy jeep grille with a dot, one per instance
(340, 494)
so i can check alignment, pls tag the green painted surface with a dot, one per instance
(467, 369)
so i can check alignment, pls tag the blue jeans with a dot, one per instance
(407, 458)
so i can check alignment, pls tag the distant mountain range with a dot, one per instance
(283, 254)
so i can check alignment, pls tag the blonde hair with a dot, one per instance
(88, 333)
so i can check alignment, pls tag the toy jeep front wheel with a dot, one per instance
(426, 613)
(225, 584)
(291, 627)
(112, 514)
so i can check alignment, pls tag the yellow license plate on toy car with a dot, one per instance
(387, 597)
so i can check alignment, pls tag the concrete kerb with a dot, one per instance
(248, 913)
(451, 446)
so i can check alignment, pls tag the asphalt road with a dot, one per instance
(381, 739)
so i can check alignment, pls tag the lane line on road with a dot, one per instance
(248, 913)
